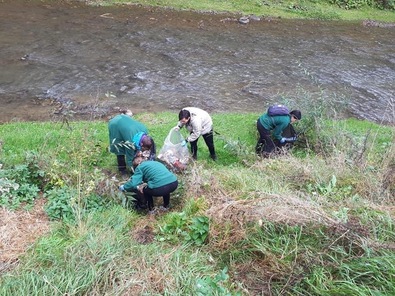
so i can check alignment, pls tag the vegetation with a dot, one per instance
(379, 10)
(317, 220)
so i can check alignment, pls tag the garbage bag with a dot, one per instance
(173, 154)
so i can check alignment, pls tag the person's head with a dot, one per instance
(146, 143)
(137, 161)
(184, 116)
(127, 112)
(295, 115)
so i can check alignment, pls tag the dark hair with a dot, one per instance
(126, 112)
(184, 114)
(137, 160)
(146, 143)
(296, 113)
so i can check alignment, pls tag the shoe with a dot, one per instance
(139, 207)
(163, 209)
(152, 212)
(124, 174)
(213, 157)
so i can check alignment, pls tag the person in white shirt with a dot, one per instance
(199, 123)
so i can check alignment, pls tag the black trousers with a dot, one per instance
(121, 163)
(209, 139)
(265, 144)
(164, 191)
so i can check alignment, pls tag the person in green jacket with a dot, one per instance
(151, 178)
(122, 128)
(270, 130)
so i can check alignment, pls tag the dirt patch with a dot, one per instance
(143, 233)
(257, 276)
(19, 230)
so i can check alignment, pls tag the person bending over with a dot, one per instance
(269, 126)
(144, 146)
(199, 123)
(122, 128)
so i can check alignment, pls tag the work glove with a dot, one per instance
(290, 140)
(283, 140)
(184, 143)
(122, 188)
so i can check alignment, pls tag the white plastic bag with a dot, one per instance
(173, 153)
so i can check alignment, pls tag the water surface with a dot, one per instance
(96, 59)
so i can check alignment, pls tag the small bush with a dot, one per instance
(18, 185)
(193, 230)
(67, 204)
(356, 4)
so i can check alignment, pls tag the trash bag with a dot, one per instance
(173, 154)
(289, 134)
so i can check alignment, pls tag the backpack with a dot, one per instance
(277, 110)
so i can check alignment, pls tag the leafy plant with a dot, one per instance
(174, 227)
(17, 186)
(66, 203)
(214, 286)
(194, 230)
(330, 189)
(59, 203)
(198, 230)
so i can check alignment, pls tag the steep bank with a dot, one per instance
(323, 10)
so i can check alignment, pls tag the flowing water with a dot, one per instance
(92, 60)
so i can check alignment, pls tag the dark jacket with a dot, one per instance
(275, 123)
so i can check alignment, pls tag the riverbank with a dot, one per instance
(311, 222)
(155, 60)
(320, 10)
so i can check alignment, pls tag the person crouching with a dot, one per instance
(151, 178)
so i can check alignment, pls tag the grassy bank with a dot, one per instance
(324, 10)
(318, 220)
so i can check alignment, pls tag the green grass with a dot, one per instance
(317, 221)
(284, 9)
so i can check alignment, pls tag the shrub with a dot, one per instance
(18, 186)
(355, 4)
(67, 204)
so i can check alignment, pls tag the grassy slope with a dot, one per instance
(283, 225)
(284, 9)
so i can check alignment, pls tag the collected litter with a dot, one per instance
(173, 154)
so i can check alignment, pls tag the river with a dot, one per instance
(57, 56)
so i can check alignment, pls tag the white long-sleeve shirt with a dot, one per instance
(199, 124)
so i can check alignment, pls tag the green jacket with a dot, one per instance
(152, 172)
(122, 129)
(275, 123)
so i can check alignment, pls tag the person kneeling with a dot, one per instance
(151, 178)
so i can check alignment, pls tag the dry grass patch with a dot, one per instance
(18, 230)
(289, 210)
